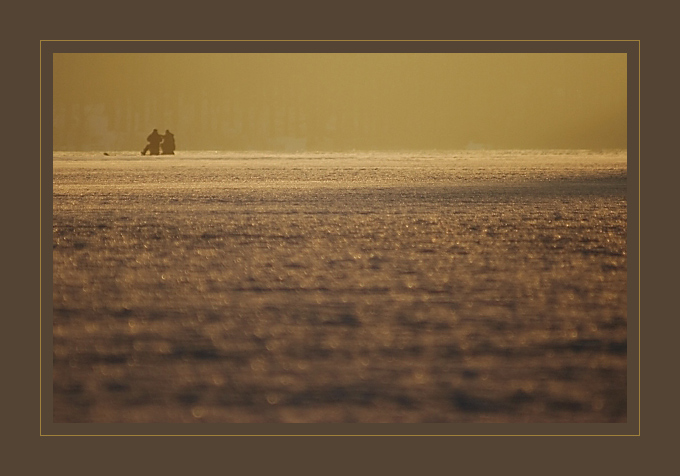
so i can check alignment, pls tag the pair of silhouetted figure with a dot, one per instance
(157, 142)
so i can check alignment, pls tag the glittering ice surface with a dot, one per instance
(464, 286)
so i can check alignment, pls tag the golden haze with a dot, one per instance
(234, 101)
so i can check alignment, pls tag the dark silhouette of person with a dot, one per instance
(153, 147)
(168, 144)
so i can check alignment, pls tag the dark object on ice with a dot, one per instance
(153, 147)
(168, 145)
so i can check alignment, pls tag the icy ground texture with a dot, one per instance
(485, 286)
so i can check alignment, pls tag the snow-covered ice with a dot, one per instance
(419, 286)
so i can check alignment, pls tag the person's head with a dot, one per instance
(167, 131)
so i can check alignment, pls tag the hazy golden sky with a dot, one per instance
(341, 101)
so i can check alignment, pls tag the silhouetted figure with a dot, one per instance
(168, 145)
(154, 145)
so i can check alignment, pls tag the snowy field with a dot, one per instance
(466, 286)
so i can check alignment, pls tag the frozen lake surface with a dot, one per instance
(463, 286)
